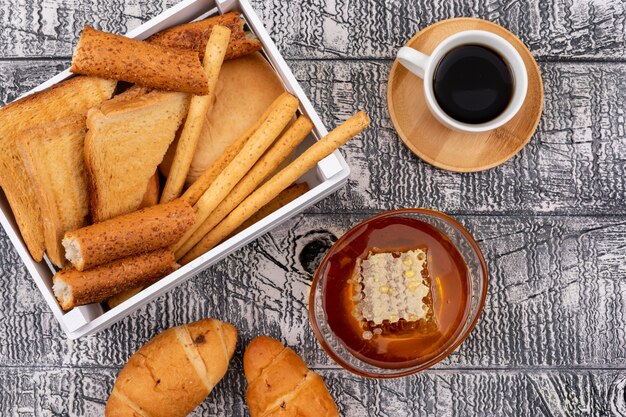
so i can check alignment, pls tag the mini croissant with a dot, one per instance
(281, 384)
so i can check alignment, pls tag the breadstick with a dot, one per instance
(140, 231)
(268, 163)
(73, 288)
(285, 197)
(213, 59)
(241, 164)
(268, 191)
(193, 193)
(117, 57)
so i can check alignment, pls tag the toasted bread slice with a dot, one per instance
(132, 92)
(53, 157)
(73, 96)
(151, 196)
(126, 141)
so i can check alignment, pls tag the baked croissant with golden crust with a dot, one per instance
(281, 384)
(174, 372)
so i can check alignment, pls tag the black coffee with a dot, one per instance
(473, 84)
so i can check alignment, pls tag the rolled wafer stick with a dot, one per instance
(195, 191)
(137, 232)
(268, 191)
(117, 57)
(73, 288)
(258, 143)
(268, 163)
(198, 107)
(240, 47)
(194, 36)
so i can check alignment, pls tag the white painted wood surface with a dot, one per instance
(552, 222)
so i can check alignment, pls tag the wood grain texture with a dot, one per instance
(555, 299)
(551, 222)
(83, 392)
(329, 29)
(574, 164)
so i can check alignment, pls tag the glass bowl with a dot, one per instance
(477, 290)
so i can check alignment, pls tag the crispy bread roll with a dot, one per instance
(281, 384)
(137, 232)
(194, 36)
(73, 288)
(150, 198)
(117, 57)
(174, 372)
(245, 89)
(73, 96)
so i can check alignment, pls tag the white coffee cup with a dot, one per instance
(424, 66)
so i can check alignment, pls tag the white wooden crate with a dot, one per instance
(329, 175)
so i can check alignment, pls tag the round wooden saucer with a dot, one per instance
(445, 148)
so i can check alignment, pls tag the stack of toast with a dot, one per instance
(82, 162)
(75, 153)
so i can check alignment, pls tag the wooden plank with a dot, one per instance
(347, 29)
(18, 77)
(556, 299)
(84, 391)
(574, 163)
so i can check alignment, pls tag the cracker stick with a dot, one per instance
(265, 166)
(193, 193)
(213, 59)
(241, 164)
(268, 191)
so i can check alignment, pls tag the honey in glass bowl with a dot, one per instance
(407, 338)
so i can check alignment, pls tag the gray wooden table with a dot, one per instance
(551, 222)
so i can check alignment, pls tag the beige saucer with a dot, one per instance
(445, 148)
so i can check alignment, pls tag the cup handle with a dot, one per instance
(413, 60)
